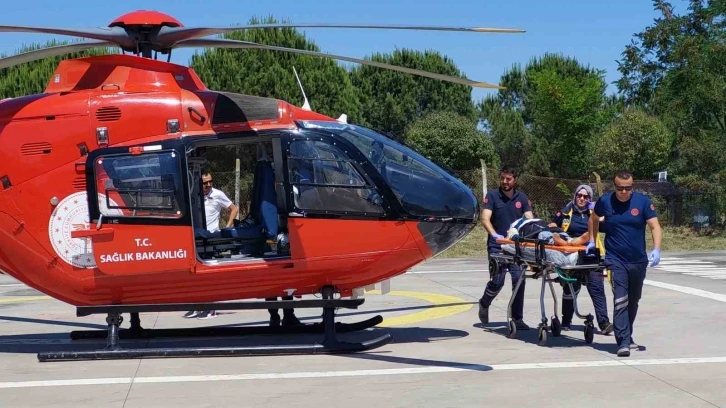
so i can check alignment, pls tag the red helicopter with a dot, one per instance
(101, 199)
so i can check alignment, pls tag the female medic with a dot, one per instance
(573, 218)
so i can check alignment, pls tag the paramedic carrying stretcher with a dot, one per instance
(574, 219)
(626, 214)
(503, 206)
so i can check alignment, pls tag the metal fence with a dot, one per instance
(675, 206)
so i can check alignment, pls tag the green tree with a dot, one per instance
(392, 100)
(32, 77)
(451, 140)
(562, 105)
(677, 69)
(636, 141)
(514, 143)
(270, 73)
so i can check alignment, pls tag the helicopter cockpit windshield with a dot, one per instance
(422, 188)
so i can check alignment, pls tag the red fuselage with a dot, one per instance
(49, 242)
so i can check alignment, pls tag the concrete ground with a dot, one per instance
(440, 356)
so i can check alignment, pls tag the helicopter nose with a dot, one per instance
(440, 233)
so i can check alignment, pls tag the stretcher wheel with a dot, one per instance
(589, 332)
(493, 267)
(512, 329)
(556, 326)
(542, 334)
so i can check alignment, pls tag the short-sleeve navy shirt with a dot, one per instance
(624, 226)
(505, 211)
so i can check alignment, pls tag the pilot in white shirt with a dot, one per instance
(214, 201)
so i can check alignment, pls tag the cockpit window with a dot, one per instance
(324, 179)
(422, 188)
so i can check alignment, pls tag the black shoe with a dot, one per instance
(521, 325)
(483, 314)
(606, 328)
(623, 352)
(274, 320)
(290, 320)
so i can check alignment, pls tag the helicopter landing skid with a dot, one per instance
(136, 332)
(329, 345)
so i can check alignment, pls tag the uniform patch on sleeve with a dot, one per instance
(486, 200)
(652, 207)
(634, 211)
(518, 204)
(558, 213)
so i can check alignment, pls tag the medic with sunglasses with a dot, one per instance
(626, 215)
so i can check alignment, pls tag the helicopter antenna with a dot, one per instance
(306, 105)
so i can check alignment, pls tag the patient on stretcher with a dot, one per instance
(533, 228)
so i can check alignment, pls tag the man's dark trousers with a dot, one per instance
(627, 287)
(496, 284)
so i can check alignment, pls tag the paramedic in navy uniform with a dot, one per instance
(501, 208)
(626, 214)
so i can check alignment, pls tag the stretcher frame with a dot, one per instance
(540, 267)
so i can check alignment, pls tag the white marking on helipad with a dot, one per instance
(678, 288)
(685, 289)
(359, 373)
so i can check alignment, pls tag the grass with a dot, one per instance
(674, 239)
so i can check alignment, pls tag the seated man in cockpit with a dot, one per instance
(214, 201)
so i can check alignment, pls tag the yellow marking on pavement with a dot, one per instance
(428, 314)
(23, 299)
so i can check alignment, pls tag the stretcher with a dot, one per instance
(538, 259)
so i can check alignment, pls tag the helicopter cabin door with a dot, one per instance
(139, 215)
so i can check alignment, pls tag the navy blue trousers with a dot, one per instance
(496, 284)
(627, 287)
(596, 288)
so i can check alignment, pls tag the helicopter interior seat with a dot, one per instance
(250, 236)
(306, 196)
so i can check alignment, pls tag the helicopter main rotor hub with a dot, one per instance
(142, 26)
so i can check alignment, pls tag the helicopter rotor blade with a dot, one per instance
(221, 43)
(112, 34)
(52, 52)
(172, 35)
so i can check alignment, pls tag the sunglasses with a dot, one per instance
(623, 188)
(583, 196)
(207, 182)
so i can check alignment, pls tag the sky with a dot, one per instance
(593, 32)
